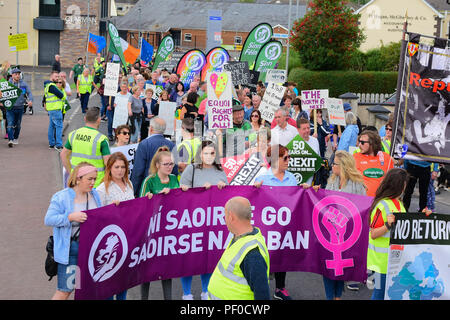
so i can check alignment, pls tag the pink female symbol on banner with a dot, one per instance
(336, 222)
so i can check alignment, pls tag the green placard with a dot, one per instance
(10, 93)
(304, 161)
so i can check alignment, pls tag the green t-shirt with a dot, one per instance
(153, 184)
(77, 69)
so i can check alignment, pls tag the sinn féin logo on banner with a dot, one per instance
(108, 253)
(263, 33)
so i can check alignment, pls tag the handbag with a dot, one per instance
(51, 266)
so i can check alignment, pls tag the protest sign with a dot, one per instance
(258, 37)
(242, 169)
(304, 162)
(111, 79)
(219, 103)
(418, 267)
(216, 58)
(422, 114)
(254, 76)
(120, 110)
(271, 100)
(167, 112)
(336, 112)
(190, 65)
(164, 50)
(128, 150)
(10, 93)
(268, 57)
(314, 99)
(171, 61)
(156, 90)
(240, 73)
(18, 42)
(277, 76)
(167, 237)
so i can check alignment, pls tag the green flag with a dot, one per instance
(10, 93)
(268, 58)
(164, 50)
(258, 37)
(114, 44)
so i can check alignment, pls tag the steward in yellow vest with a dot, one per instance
(52, 101)
(87, 144)
(242, 272)
(377, 254)
(85, 84)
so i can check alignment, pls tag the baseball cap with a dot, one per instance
(237, 107)
(347, 106)
(15, 70)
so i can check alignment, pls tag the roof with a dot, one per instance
(439, 5)
(184, 14)
(430, 3)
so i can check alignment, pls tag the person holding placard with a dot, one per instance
(84, 88)
(323, 131)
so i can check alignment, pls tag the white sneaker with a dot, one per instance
(188, 297)
(204, 295)
(15, 141)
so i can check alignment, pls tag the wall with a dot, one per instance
(73, 40)
(382, 21)
(29, 9)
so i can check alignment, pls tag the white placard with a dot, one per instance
(167, 112)
(271, 100)
(314, 99)
(128, 150)
(219, 104)
(336, 112)
(276, 75)
(111, 79)
(121, 109)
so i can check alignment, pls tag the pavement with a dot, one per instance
(31, 173)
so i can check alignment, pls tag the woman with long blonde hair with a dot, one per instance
(345, 177)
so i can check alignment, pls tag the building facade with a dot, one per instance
(53, 27)
(382, 21)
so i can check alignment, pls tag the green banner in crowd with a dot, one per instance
(9, 93)
(114, 44)
(256, 39)
(164, 50)
(268, 58)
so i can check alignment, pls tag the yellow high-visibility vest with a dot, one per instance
(85, 85)
(52, 102)
(377, 253)
(86, 146)
(227, 281)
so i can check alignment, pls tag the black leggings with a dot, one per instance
(423, 174)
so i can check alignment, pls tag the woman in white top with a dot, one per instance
(116, 187)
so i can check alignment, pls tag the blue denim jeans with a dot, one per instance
(110, 116)
(14, 118)
(333, 288)
(380, 286)
(55, 128)
(135, 136)
(84, 101)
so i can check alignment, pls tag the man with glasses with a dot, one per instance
(371, 161)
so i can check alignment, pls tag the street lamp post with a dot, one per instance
(288, 43)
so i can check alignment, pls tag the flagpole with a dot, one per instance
(87, 46)
(400, 77)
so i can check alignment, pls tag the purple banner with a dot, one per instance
(184, 233)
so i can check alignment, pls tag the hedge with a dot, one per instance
(340, 82)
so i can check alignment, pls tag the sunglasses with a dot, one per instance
(363, 142)
(125, 133)
(255, 116)
(286, 158)
(388, 129)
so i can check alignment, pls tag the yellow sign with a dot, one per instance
(18, 42)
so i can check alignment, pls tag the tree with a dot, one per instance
(327, 35)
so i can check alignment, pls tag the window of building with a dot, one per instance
(188, 37)
(104, 9)
(238, 40)
(49, 8)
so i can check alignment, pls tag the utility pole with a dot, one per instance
(289, 32)
(17, 52)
